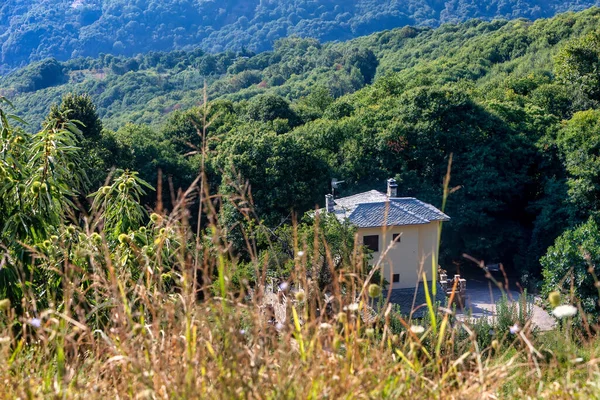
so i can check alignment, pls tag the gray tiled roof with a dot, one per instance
(369, 215)
(372, 196)
(374, 209)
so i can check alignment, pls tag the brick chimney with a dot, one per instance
(329, 203)
(392, 188)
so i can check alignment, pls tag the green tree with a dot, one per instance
(80, 109)
(578, 63)
(571, 263)
(363, 59)
(284, 174)
(579, 145)
(40, 179)
(269, 107)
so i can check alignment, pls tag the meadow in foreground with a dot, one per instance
(152, 314)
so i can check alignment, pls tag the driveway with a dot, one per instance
(482, 296)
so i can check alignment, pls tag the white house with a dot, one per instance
(408, 228)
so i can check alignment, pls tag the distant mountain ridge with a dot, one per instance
(32, 30)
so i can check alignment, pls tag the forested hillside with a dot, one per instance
(32, 30)
(512, 101)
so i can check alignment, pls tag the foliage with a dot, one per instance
(578, 64)
(120, 203)
(32, 30)
(571, 266)
(81, 110)
(579, 143)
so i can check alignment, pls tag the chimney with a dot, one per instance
(329, 204)
(392, 188)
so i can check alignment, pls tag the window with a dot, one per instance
(371, 242)
(396, 278)
(397, 235)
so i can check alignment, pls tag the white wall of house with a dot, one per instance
(410, 257)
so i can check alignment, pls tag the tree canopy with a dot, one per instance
(36, 29)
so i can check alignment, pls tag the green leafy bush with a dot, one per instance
(571, 266)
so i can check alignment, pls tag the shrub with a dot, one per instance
(571, 264)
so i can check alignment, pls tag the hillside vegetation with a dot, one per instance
(146, 88)
(31, 30)
(170, 249)
(505, 98)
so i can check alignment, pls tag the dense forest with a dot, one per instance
(31, 30)
(515, 103)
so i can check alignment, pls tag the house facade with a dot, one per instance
(402, 232)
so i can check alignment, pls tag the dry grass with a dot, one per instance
(139, 338)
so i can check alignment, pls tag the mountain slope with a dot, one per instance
(144, 89)
(36, 29)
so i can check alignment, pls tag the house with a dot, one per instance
(404, 226)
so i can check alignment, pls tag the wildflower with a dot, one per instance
(283, 286)
(123, 238)
(514, 329)
(300, 296)
(105, 190)
(300, 253)
(325, 326)
(417, 329)
(370, 332)
(130, 182)
(342, 317)
(554, 299)
(71, 229)
(352, 307)
(154, 217)
(35, 322)
(374, 290)
(566, 310)
(279, 326)
(242, 332)
(122, 187)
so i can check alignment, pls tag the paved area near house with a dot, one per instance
(483, 296)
